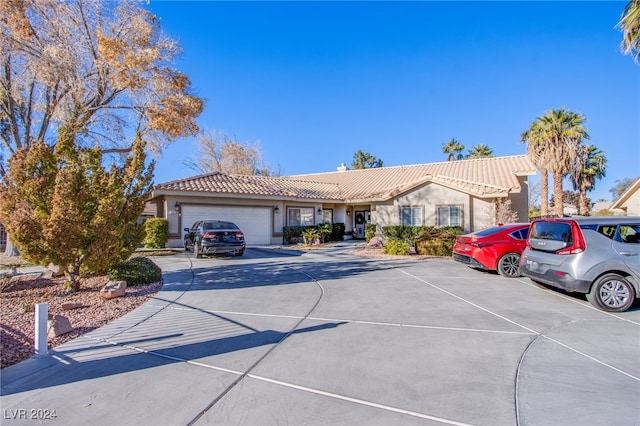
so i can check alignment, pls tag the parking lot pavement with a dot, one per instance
(324, 337)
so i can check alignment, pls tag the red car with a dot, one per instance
(495, 249)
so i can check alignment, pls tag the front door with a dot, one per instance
(361, 218)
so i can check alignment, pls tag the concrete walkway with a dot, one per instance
(286, 337)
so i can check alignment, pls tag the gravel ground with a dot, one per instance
(19, 295)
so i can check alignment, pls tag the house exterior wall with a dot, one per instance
(428, 197)
(520, 200)
(632, 204)
(166, 208)
(477, 213)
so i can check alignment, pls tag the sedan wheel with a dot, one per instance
(612, 293)
(196, 250)
(508, 265)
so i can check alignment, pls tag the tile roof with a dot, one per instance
(482, 177)
(221, 183)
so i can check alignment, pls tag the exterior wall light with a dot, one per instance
(177, 206)
(276, 209)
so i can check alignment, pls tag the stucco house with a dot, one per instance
(629, 200)
(453, 193)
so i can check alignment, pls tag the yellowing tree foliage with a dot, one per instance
(63, 206)
(100, 67)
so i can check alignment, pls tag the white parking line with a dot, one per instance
(578, 302)
(524, 327)
(358, 401)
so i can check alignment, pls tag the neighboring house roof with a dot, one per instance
(482, 177)
(619, 202)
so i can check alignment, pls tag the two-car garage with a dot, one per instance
(255, 222)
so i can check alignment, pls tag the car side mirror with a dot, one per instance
(186, 229)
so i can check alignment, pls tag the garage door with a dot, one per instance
(255, 222)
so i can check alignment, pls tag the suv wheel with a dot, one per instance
(508, 265)
(612, 293)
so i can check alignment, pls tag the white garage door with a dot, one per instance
(255, 222)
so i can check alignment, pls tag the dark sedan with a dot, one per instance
(496, 249)
(207, 237)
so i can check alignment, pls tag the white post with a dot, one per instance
(42, 316)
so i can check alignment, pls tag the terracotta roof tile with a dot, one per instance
(483, 177)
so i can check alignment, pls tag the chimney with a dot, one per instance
(342, 168)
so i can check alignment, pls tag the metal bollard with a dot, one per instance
(42, 316)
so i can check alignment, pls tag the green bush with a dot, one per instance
(326, 232)
(369, 231)
(437, 242)
(396, 247)
(136, 271)
(337, 232)
(404, 232)
(156, 231)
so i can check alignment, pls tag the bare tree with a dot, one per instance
(100, 69)
(218, 152)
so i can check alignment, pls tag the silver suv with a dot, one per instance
(599, 256)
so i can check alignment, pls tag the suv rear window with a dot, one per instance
(556, 231)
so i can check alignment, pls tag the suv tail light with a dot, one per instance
(579, 245)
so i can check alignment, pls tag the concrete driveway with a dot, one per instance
(327, 338)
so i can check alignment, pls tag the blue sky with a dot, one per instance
(313, 82)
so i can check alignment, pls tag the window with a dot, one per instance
(411, 216)
(449, 216)
(300, 216)
(327, 216)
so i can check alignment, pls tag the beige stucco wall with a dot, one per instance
(632, 204)
(477, 213)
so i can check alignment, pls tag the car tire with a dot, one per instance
(186, 246)
(196, 250)
(611, 293)
(508, 265)
(240, 252)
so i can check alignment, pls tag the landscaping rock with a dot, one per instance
(67, 306)
(56, 271)
(375, 242)
(113, 289)
(58, 325)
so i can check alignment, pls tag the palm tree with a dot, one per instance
(564, 132)
(454, 149)
(480, 151)
(630, 26)
(557, 137)
(535, 150)
(590, 165)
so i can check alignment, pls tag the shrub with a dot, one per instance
(136, 271)
(337, 232)
(437, 242)
(396, 247)
(370, 231)
(156, 230)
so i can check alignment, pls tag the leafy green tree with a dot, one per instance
(364, 160)
(480, 151)
(630, 26)
(559, 134)
(453, 149)
(64, 207)
(590, 165)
